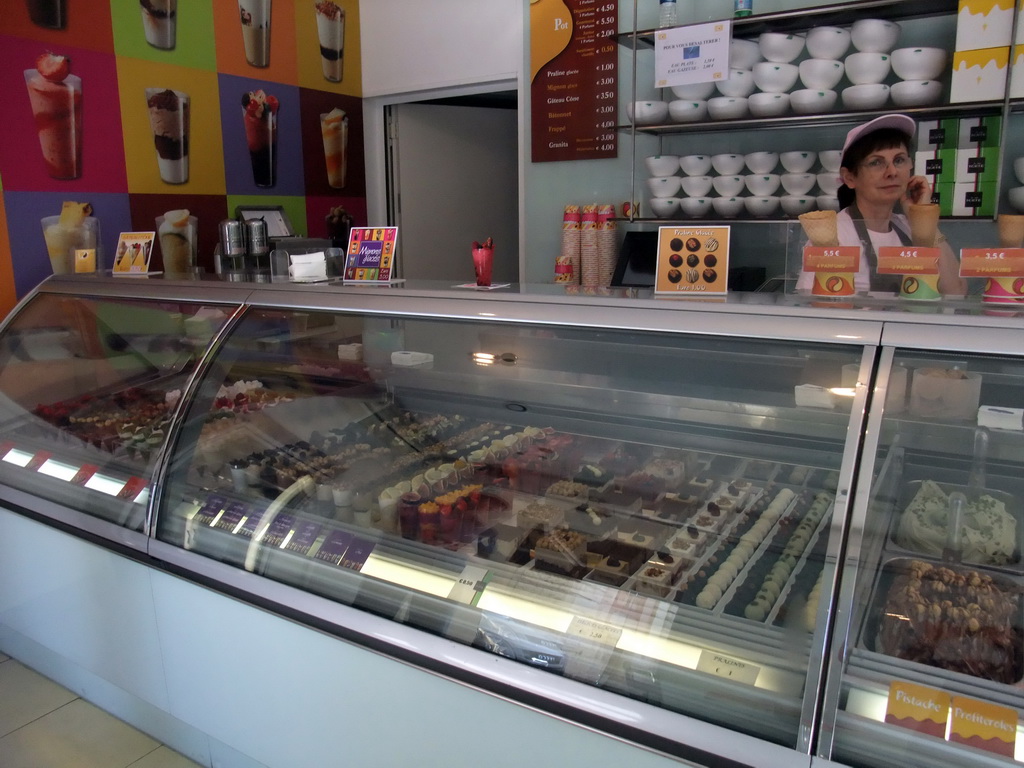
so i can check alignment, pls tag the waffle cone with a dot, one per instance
(924, 223)
(821, 227)
(1011, 230)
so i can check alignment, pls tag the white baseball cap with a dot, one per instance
(901, 123)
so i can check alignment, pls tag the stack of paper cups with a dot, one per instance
(567, 266)
(606, 240)
(590, 265)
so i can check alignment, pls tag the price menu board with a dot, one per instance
(574, 91)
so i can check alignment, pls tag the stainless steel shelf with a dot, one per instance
(979, 108)
(837, 14)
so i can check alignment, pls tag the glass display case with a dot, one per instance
(736, 514)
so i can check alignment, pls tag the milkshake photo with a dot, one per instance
(259, 113)
(255, 18)
(169, 119)
(330, 28)
(159, 21)
(177, 232)
(334, 129)
(56, 98)
(50, 14)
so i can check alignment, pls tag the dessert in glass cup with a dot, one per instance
(56, 98)
(259, 113)
(330, 29)
(169, 118)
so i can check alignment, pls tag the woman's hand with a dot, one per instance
(919, 191)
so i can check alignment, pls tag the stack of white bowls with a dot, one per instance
(828, 179)
(919, 70)
(916, 70)
(663, 184)
(1016, 194)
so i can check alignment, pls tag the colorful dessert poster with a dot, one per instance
(134, 250)
(692, 260)
(917, 708)
(371, 255)
(256, 38)
(983, 726)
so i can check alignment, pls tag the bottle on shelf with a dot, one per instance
(742, 8)
(667, 18)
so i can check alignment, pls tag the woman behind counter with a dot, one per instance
(876, 172)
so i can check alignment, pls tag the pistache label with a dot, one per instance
(918, 708)
(983, 725)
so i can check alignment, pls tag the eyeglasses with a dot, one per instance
(879, 164)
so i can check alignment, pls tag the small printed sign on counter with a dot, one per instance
(696, 53)
(589, 646)
(917, 708)
(133, 252)
(992, 262)
(470, 585)
(692, 261)
(902, 260)
(724, 666)
(370, 257)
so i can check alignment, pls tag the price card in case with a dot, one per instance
(992, 262)
(983, 725)
(832, 258)
(902, 260)
(917, 708)
(723, 666)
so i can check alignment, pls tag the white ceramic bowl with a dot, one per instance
(780, 47)
(919, 63)
(647, 112)
(727, 107)
(695, 206)
(1016, 195)
(768, 104)
(775, 77)
(683, 111)
(916, 93)
(696, 186)
(740, 83)
(865, 96)
(762, 184)
(761, 205)
(761, 162)
(810, 102)
(798, 183)
(829, 182)
(728, 186)
(830, 159)
(1018, 169)
(827, 202)
(798, 162)
(662, 165)
(744, 54)
(874, 35)
(729, 207)
(727, 164)
(828, 42)
(694, 92)
(663, 186)
(695, 165)
(794, 205)
(821, 74)
(866, 67)
(664, 207)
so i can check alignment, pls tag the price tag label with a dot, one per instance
(594, 631)
(723, 666)
(38, 460)
(131, 489)
(838, 258)
(83, 474)
(983, 725)
(5, 447)
(470, 585)
(992, 262)
(907, 260)
(917, 708)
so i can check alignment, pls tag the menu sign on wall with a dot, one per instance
(573, 93)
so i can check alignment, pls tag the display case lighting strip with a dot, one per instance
(66, 472)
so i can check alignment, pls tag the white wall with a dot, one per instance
(416, 46)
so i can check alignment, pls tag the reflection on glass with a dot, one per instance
(113, 372)
(936, 635)
(646, 513)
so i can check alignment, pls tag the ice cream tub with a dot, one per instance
(992, 530)
(916, 615)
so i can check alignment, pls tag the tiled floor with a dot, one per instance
(43, 725)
